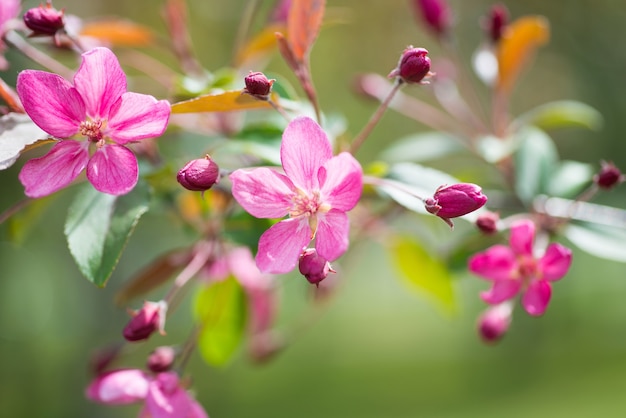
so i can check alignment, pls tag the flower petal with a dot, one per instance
(537, 297)
(341, 182)
(522, 237)
(495, 263)
(555, 262)
(500, 291)
(51, 102)
(332, 236)
(137, 116)
(305, 148)
(263, 192)
(100, 81)
(113, 170)
(119, 387)
(281, 245)
(55, 170)
(165, 399)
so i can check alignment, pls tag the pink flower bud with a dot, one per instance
(199, 175)
(281, 11)
(161, 359)
(487, 223)
(258, 85)
(435, 13)
(609, 176)
(314, 267)
(496, 22)
(494, 322)
(148, 319)
(455, 200)
(44, 20)
(413, 66)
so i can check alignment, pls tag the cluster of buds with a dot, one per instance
(455, 200)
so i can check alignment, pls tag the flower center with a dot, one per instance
(304, 204)
(527, 269)
(92, 129)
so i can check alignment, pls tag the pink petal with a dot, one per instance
(305, 148)
(555, 262)
(51, 102)
(522, 237)
(341, 182)
(537, 297)
(119, 387)
(100, 81)
(165, 399)
(9, 9)
(496, 263)
(281, 245)
(197, 411)
(137, 116)
(500, 291)
(263, 192)
(332, 236)
(113, 170)
(55, 170)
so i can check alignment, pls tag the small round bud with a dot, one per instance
(609, 176)
(413, 66)
(495, 322)
(147, 320)
(199, 175)
(435, 13)
(161, 359)
(455, 200)
(496, 22)
(487, 223)
(313, 267)
(258, 85)
(44, 20)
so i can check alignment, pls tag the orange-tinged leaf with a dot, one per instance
(119, 32)
(262, 44)
(228, 101)
(303, 25)
(518, 45)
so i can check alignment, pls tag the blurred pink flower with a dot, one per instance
(9, 9)
(96, 106)
(162, 394)
(316, 191)
(515, 269)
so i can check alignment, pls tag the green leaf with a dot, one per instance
(562, 114)
(570, 178)
(221, 311)
(535, 161)
(422, 147)
(423, 272)
(598, 240)
(98, 226)
(494, 149)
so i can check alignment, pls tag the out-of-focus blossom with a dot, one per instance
(96, 107)
(413, 66)
(316, 191)
(146, 321)
(515, 269)
(496, 22)
(495, 322)
(161, 359)
(455, 200)
(487, 222)
(199, 175)
(9, 10)
(435, 13)
(609, 176)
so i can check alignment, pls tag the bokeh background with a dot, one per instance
(379, 350)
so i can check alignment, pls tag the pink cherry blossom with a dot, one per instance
(515, 269)
(98, 107)
(9, 9)
(316, 191)
(162, 394)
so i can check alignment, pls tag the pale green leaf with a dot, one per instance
(562, 114)
(535, 162)
(598, 240)
(570, 178)
(422, 147)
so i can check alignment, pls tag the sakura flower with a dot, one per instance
(98, 107)
(515, 269)
(9, 9)
(163, 395)
(316, 191)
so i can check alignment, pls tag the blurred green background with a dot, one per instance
(380, 350)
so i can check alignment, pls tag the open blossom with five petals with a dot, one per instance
(96, 107)
(316, 191)
(515, 269)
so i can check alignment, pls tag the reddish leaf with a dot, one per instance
(119, 32)
(260, 45)
(303, 25)
(223, 102)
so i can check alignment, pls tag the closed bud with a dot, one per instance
(455, 200)
(147, 320)
(258, 85)
(314, 267)
(495, 322)
(496, 22)
(435, 13)
(44, 20)
(487, 223)
(199, 175)
(609, 176)
(161, 359)
(413, 66)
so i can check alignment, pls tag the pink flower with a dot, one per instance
(162, 394)
(515, 269)
(316, 191)
(97, 107)
(9, 9)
